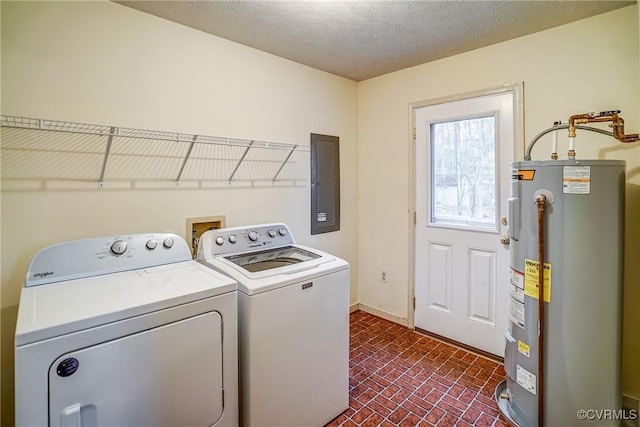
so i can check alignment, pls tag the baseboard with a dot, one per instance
(384, 315)
(354, 307)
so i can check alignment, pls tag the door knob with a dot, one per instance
(504, 239)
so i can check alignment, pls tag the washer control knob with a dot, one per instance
(282, 231)
(168, 243)
(233, 238)
(272, 233)
(219, 240)
(151, 244)
(253, 236)
(119, 247)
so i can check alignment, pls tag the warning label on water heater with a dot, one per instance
(576, 180)
(516, 313)
(517, 279)
(531, 276)
(523, 348)
(526, 379)
(516, 291)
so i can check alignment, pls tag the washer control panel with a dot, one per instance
(102, 255)
(227, 241)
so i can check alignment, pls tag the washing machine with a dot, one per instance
(293, 324)
(125, 331)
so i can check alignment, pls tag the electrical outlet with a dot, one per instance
(384, 275)
(197, 226)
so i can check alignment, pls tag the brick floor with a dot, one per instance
(399, 377)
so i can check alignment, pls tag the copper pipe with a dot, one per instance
(618, 131)
(573, 120)
(595, 120)
(617, 123)
(579, 119)
(540, 200)
(527, 155)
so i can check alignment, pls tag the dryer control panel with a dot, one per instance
(103, 255)
(237, 240)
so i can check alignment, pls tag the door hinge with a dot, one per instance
(414, 134)
(414, 303)
(414, 218)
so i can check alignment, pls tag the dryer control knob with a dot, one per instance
(253, 236)
(233, 238)
(151, 244)
(168, 242)
(219, 240)
(119, 247)
(272, 233)
(282, 231)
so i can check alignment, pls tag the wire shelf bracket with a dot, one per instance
(284, 163)
(244, 155)
(186, 159)
(106, 157)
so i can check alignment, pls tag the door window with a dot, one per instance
(463, 173)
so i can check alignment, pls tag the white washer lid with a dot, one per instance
(255, 283)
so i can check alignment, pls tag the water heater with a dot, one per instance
(580, 206)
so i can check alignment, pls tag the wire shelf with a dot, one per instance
(52, 149)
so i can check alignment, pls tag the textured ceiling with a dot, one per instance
(364, 39)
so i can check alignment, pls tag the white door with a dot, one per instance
(463, 151)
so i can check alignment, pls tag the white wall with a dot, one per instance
(589, 65)
(103, 63)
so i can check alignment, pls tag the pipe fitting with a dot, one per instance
(577, 119)
(617, 125)
(618, 131)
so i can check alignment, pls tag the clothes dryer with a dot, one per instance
(122, 331)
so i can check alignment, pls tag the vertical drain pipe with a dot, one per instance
(540, 200)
